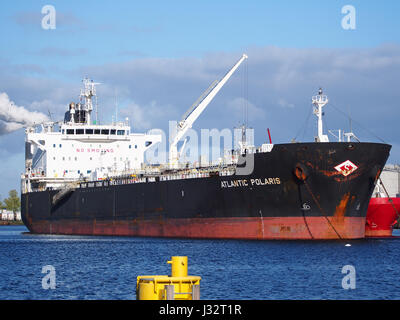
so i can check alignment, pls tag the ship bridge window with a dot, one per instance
(70, 131)
(79, 131)
(113, 131)
(105, 131)
(89, 131)
(148, 143)
(120, 132)
(97, 131)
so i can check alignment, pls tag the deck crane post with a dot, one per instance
(194, 112)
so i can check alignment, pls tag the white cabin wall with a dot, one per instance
(69, 157)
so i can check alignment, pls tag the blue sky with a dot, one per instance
(161, 55)
(106, 30)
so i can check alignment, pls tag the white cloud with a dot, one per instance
(148, 116)
(239, 105)
(284, 104)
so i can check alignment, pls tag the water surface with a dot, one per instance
(107, 267)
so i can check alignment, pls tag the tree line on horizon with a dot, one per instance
(12, 203)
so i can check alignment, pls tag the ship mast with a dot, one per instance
(194, 112)
(319, 101)
(86, 95)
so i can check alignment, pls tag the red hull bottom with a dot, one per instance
(291, 228)
(381, 216)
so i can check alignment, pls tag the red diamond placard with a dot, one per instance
(346, 167)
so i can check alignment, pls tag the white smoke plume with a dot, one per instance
(13, 117)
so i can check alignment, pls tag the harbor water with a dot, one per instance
(107, 267)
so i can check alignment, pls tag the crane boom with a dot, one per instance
(195, 110)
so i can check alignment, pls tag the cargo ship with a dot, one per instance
(84, 178)
(384, 206)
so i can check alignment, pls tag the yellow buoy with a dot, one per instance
(177, 286)
(179, 267)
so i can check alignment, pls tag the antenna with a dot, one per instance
(97, 110)
(350, 134)
(116, 105)
(86, 95)
(50, 114)
(350, 124)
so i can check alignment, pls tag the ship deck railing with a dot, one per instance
(112, 181)
(156, 173)
(137, 178)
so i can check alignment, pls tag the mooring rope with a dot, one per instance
(390, 199)
(306, 223)
(358, 123)
(320, 208)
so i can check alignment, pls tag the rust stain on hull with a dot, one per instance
(330, 173)
(341, 208)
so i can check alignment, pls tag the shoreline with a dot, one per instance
(11, 223)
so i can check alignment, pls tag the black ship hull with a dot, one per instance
(294, 192)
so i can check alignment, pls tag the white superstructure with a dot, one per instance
(79, 148)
